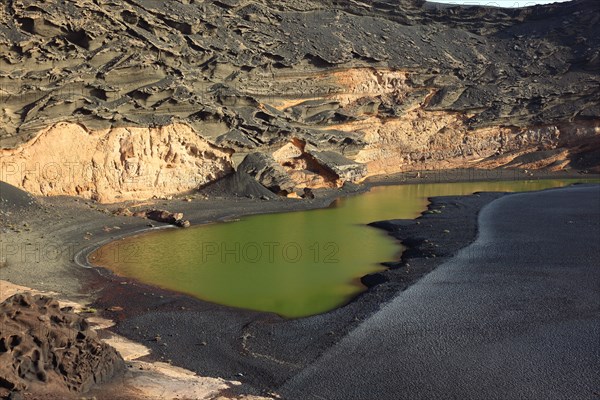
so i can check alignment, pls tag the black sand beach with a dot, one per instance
(259, 349)
(514, 315)
(265, 350)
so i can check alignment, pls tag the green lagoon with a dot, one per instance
(294, 264)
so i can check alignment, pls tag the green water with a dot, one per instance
(294, 264)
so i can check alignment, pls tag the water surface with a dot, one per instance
(294, 264)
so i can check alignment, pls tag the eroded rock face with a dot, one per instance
(343, 168)
(414, 142)
(114, 164)
(393, 85)
(43, 347)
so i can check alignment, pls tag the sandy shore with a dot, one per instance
(40, 242)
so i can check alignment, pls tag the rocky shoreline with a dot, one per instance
(263, 350)
(258, 349)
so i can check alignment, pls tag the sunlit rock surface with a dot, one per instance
(168, 96)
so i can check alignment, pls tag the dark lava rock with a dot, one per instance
(168, 218)
(42, 345)
(252, 76)
(308, 194)
(183, 223)
(218, 64)
(267, 172)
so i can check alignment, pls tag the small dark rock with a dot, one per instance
(308, 194)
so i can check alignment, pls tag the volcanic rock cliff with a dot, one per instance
(117, 100)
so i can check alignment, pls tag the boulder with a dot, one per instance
(45, 346)
(344, 168)
(168, 218)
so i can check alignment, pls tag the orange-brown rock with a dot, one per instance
(163, 97)
(115, 164)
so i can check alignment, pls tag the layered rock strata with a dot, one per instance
(173, 95)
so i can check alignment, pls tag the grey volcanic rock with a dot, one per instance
(332, 167)
(267, 172)
(344, 168)
(394, 85)
(168, 217)
(43, 347)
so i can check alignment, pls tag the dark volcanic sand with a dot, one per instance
(210, 339)
(514, 315)
(264, 350)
